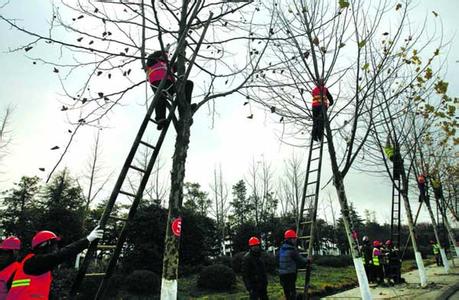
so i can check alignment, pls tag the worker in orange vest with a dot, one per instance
(157, 64)
(8, 263)
(320, 101)
(422, 187)
(33, 277)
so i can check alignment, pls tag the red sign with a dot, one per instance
(177, 226)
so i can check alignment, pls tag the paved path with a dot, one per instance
(438, 282)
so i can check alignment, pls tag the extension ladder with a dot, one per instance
(117, 190)
(308, 215)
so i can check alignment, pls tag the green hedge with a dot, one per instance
(217, 277)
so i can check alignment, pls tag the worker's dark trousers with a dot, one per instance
(260, 293)
(378, 274)
(438, 260)
(317, 123)
(369, 272)
(160, 109)
(288, 282)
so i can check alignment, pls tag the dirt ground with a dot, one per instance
(438, 283)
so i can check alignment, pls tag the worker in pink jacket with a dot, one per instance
(157, 64)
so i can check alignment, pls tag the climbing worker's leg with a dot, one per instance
(161, 104)
(315, 123)
(320, 130)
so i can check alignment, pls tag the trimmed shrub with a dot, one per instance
(270, 262)
(333, 261)
(236, 262)
(217, 277)
(142, 282)
(224, 260)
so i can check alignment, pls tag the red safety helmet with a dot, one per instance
(376, 243)
(11, 243)
(43, 236)
(290, 234)
(254, 241)
(388, 242)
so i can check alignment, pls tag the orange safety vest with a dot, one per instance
(317, 98)
(5, 276)
(27, 286)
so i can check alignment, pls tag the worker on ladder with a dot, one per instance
(33, 277)
(290, 261)
(157, 64)
(254, 271)
(8, 263)
(320, 101)
(366, 252)
(437, 188)
(377, 263)
(422, 187)
(392, 151)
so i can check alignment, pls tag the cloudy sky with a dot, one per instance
(232, 142)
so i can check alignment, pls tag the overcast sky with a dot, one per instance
(37, 123)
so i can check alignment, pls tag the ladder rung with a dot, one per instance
(305, 237)
(306, 222)
(94, 274)
(304, 252)
(309, 183)
(308, 208)
(310, 195)
(301, 270)
(315, 158)
(118, 218)
(137, 168)
(315, 170)
(300, 288)
(147, 144)
(127, 194)
(105, 247)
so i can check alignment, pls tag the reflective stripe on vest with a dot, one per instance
(317, 98)
(375, 257)
(436, 249)
(5, 276)
(27, 286)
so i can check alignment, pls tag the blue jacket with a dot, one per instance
(290, 259)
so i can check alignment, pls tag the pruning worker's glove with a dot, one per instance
(96, 233)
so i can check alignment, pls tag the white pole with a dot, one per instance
(422, 270)
(444, 259)
(362, 278)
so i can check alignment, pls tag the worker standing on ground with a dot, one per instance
(157, 64)
(422, 187)
(366, 251)
(377, 263)
(436, 253)
(33, 277)
(320, 101)
(394, 264)
(289, 262)
(8, 263)
(254, 271)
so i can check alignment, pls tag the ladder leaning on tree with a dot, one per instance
(308, 215)
(117, 190)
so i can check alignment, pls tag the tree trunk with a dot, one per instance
(409, 215)
(339, 186)
(437, 237)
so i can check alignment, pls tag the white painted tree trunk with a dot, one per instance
(422, 271)
(168, 289)
(362, 278)
(444, 259)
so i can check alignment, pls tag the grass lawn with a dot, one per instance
(325, 281)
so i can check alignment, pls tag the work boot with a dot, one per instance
(160, 123)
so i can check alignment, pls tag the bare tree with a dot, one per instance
(221, 205)
(5, 132)
(292, 186)
(351, 45)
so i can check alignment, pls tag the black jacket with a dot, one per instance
(42, 263)
(254, 271)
